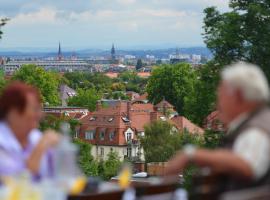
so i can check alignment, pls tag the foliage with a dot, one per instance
(2, 80)
(240, 34)
(86, 161)
(85, 98)
(139, 64)
(54, 122)
(87, 80)
(117, 95)
(212, 139)
(111, 165)
(201, 100)
(133, 81)
(46, 82)
(172, 82)
(2, 23)
(159, 134)
(118, 87)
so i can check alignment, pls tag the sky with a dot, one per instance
(81, 24)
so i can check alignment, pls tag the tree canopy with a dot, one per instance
(166, 141)
(172, 82)
(46, 82)
(85, 98)
(240, 34)
(202, 99)
(85, 80)
(2, 23)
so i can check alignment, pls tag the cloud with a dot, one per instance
(95, 22)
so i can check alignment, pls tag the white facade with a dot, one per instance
(100, 152)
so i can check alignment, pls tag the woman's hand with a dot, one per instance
(50, 139)
(176, 165)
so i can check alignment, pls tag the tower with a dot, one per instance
(113, 53)
(59, 55)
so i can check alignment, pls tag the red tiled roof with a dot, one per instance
(112, 74)
(183, 123)
(144, 74)
(165, 104)
(142, 97)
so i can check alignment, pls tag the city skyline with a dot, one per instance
(97, 24)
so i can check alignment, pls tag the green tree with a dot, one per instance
(201, 100)
(46, 82)
(213, 139)
(2, 23)
(86, 161)
(139, 64)
(172, 82)
(240, 34)
(111, 165)
(86, 80)
(85, 98)
(166, 140)
(2, 79)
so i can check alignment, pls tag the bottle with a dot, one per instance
(66, 170)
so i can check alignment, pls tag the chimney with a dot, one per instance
(98, 105)
(128, 109)
(153, 116)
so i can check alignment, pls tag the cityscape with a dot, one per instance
(132, 99)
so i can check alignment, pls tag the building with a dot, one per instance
(212, 122)
(132, 95)
(113, 54)
(118, 126)
(66, 93)
(66, 111)
(50, 65)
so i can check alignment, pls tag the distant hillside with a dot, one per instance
(159, 53)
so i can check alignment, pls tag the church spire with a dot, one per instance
(113, 53)
(59, 56)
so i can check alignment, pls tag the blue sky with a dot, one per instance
(80, 24)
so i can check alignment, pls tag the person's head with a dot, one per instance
(20, 104)
(243, 88)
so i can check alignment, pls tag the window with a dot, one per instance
(111, 136)
(76, 135)
(90, 135)
(129, 152)
(102, 152)
(129, 136)
(102, 135)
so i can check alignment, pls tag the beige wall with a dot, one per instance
(120, 150)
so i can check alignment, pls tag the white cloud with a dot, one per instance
(105, 21)
(44, 15)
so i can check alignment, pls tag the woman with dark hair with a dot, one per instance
(22, 145)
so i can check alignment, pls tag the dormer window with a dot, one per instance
(110, 119)
(129, 134)
(92, 118)
(125, 119)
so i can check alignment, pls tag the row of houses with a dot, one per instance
(117, 125)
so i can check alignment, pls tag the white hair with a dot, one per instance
(249, 79)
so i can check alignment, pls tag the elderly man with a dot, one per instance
(243, 94)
